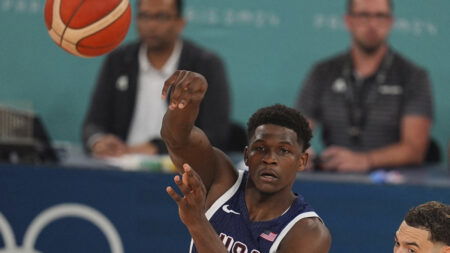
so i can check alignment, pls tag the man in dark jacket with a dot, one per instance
(126, 109)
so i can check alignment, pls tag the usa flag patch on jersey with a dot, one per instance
(269, 236)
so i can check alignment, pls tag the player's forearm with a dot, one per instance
(178, 124)
(205, 238)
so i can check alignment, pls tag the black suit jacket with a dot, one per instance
(112, 105)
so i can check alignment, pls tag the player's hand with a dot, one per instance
(191, 206)
(109, 146)
(186, 87)
(345, 160)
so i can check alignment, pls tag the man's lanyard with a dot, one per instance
(359, 96)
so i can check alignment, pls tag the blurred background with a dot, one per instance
(268, 48)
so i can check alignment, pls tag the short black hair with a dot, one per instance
(284, 116)
(179, 5)
(432, 216)
(350, 6)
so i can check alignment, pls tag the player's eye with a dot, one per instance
(258, 148)
(285, 150)
(396, 243)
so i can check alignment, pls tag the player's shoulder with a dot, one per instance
(226, 177)
(227, 173)
(308, 234)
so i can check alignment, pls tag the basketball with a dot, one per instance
(87, 28)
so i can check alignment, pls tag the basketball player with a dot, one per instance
(230, 211)
(426, 229)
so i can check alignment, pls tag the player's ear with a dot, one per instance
(246, 155)
(303, 161)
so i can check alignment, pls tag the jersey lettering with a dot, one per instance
(227, 241)
(234, 247)
(239, 247)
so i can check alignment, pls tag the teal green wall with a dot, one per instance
(268, 48)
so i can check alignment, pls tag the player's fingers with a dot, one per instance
(198, 87)
(193, 88)
(178, 90)
(185, 94)
(172, 193)
(190, 86)
(187, 175)
(182, 185)
(192, 178)
(168, 83)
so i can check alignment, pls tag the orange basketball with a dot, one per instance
(87, 28)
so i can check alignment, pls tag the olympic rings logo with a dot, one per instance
(54, 213)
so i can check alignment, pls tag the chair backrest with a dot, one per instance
(24, 138)
(237, 138)
(433, 153)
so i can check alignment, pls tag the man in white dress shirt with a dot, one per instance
(126, 108)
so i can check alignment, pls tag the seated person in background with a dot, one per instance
(425, 229)
(374, 106)
(126, 109)
(246, 211)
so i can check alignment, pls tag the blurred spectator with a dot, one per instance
(374, 105)
(126, 108)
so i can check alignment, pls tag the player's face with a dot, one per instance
(369, 23)
(274, 156)
(415, 240)
(158, 23)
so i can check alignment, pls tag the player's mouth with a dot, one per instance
(268, 175)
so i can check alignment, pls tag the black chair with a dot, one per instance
(237, 138)
(36, 150)
(433, 153)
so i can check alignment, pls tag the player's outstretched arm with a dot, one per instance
(192, 208)
(185, 142)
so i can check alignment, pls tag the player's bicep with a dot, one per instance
(199, 154)
(309, 235)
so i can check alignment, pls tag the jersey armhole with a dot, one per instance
(287, 228)
(221, 200)
(226, 196)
